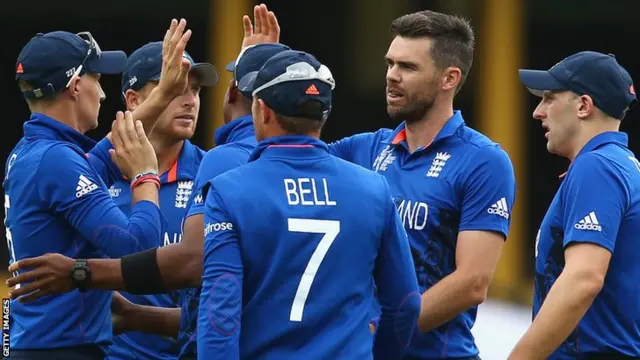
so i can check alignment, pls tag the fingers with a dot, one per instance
(130, 128)
(166, 42)
(24, 278)
(264, 19)
(28, 263)
(257, 20)
(116, 140)
(248, 27)
(114, 157)
(121, 131)
(175, 40)
(139, 130)
(182, 44)
(275, 27)
(40, 288)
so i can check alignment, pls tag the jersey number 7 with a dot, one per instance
(330, 229)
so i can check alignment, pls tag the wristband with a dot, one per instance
(141, 274)
(145, 177)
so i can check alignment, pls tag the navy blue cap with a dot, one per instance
(289, 82)
(252, 59)
(145, 64)
(49, 61)
(587, 73)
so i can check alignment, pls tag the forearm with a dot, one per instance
(564, 306)
(146, 191)
(120, 236)
(448, 298)
(106, 274)
(150, 110)
(154, 320)
(180, 265)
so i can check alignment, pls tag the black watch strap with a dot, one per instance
(81, 275)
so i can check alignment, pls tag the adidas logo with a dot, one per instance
(500, 208)
(197, 199)
(84, 186)
(312, 90)
(589, 222)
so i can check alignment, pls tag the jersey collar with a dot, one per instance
(45, 127)
(609, 137)
(298, 146)
(399, 135)
(183, 168)
(235, 130)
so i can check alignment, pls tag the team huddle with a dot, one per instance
(277, 245)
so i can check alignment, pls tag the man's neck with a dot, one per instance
(167, 152)
(63, 115)
(421, 133)
(589, 133)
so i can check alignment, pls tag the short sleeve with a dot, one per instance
(217, 161)
(595, 198)
(488, 192)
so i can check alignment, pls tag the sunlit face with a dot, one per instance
(90, 95)
(412, 78)
(178, 121)
(558, 113)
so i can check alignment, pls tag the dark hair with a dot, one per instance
(453, 39)
(302, 125)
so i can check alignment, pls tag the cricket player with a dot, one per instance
(56, 198)
(298, 249)
(235, 141)
(454, 188)
(586, 285)
(178, 162)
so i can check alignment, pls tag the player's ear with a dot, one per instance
(132, 99)
(74, 86)
(585, 106)
(232, 92)
(268, 115)
(451, 77)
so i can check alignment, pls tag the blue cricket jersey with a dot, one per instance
(56, 201)
(293, 243)
(461, 181)
(598, 202)
(174, 195)
(235, 141)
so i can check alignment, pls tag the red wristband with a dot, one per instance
(146, 178)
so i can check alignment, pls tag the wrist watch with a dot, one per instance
(81, 275)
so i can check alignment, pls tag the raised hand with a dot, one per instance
(132, 152)
(175, 67)
(264, 30)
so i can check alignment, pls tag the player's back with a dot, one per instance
(310, 226)
(34, 229)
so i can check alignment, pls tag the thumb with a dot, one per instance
(186, 65)
(114, 157)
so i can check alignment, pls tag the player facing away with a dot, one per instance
(295, 239)
(454, 188)
(178, 162)
(586, 285)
